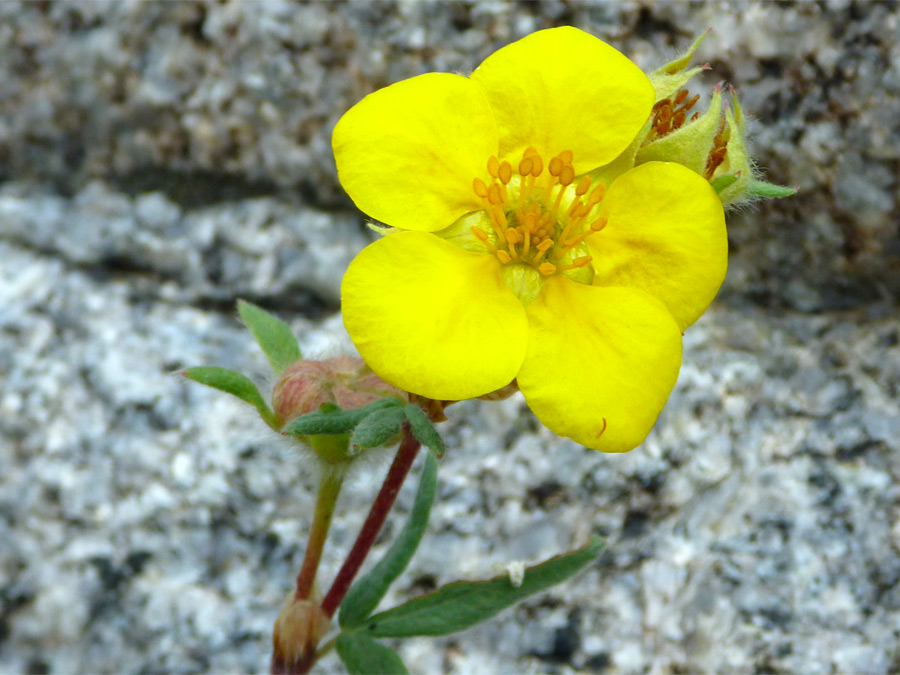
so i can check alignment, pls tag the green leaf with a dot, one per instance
(232, 383)
(719, 183)
(377, 428)
(769, 191)
(363, 656)
(368, 591)
(463, 604)
(274, 336)
(423, 430)
(336, 421)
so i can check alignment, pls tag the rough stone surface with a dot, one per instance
(159, 160)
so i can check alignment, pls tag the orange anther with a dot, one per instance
(599, 224)
(690, 104)
(514, 236)
(494, 195)
(529, 151)
(583, 185)
(505, 172)
(664, 114)
(525, 166)
(556, 166)
(493, 166)
(680, 96)
(566, 156)
(597, 194)
(679, 119)
(503, 257)
(567, 175)
(481, 234)
(546, 268)
(537, 165)
(480, 188)
(544, 245)
(582, 261)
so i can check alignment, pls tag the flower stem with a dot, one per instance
(329, 490)
(409, 447)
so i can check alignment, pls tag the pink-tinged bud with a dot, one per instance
(345, 381)
(298, 630)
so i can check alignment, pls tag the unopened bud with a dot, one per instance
(344, 381)
(298, 630)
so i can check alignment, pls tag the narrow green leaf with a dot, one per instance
(274, 336)
(719, 183)
(368, 591)
(377, 428)
(423, 430)
(463, 604)
(769, 191)
(336, 420)
(364, 656)
(232, 383)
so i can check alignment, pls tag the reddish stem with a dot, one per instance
(409, 448)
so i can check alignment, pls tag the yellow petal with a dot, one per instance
(407, 154)
(433, 319)
(563, 89)
(601, 363)
(665, 235)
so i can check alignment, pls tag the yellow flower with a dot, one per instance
(511, 263)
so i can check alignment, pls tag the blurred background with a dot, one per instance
(160, 160)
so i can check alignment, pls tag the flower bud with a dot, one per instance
(298, 630)
(344, 381)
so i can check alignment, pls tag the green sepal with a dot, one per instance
(235, 384)
(673, 76)
(690, 144)
(368, 591)
(334, 420)
(464, 604)
(377, 428)
(273, 335)
(719, 183)
(759, 188)
(361, 655)
(423, 430)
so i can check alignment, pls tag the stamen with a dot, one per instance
(503, 257)
(546, 268)
(583, 185)
(494, 196)
(525, 166)
(556, 167)
(599, 224)
(482, 236)
(567, 175)
(505, 172)
(480, 188)
(493, 166)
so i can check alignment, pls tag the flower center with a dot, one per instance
(539, 217)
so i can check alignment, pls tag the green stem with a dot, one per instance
(329, 490)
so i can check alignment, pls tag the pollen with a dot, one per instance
(540, 211)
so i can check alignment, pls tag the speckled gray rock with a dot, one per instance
(159, 160)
